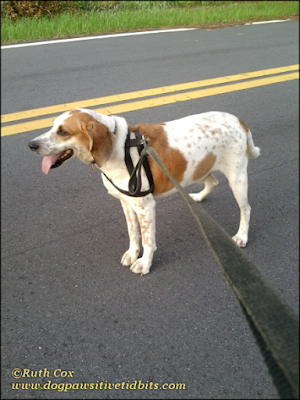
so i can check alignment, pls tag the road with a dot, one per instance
(67, 303)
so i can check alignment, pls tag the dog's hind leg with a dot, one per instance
(238, 183)
(209, 183)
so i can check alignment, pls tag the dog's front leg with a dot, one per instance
(145, 209)
(131, 255)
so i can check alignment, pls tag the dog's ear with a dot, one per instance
(102, 140)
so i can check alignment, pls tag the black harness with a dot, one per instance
(135, 181)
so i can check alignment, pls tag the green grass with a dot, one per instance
(143, 16)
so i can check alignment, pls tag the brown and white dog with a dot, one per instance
(191, 148)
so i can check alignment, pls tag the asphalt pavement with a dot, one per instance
(67, 303)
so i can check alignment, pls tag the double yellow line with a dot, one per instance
(180, 92)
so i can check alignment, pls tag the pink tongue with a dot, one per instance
(48, 161)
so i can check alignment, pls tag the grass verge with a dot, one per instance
(209, 14)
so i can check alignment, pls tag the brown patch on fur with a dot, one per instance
(103, 141)
(204, 166)
(173, 159)
(92, 134)
(243, 125)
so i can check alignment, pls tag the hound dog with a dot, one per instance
(192, 148)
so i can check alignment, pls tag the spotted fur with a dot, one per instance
(192, 148)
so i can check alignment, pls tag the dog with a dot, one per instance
(191, 148)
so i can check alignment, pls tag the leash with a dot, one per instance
(273, 323)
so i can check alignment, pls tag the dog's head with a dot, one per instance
(75, 133)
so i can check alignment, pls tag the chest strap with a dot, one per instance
(135, 181)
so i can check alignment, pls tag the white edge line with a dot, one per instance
(268, 22)
(93, 38)
(77, 39)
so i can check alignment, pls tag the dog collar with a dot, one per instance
(91, 165)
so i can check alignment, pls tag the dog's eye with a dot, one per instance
(61, 132)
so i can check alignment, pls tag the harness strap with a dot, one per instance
(135, 181)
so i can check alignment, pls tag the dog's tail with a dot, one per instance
(253, 152)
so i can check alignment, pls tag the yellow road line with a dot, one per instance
(142, 93)
(123, 108)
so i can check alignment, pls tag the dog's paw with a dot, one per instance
(196, 197)
(129, 257)
(139, 268)
(241, 242)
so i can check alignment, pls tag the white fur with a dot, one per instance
(217, 133)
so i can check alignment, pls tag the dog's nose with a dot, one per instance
(33, 145)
